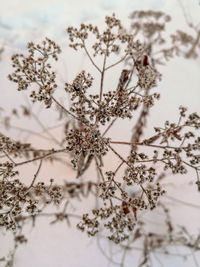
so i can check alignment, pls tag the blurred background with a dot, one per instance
(24, 21)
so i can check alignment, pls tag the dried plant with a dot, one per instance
(86, 143)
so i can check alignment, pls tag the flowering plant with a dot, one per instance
(134, 187)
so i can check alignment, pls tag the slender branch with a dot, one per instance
(102, 76)
(126, 248)
(142, 144)
(35, 175)
(68, 112)
(44, 129)
(92, 61)
(109, 126)
(183, 202)
(41, 157)
(191, 51)
(6, 154)
(99, 169)
(119, 156)
(29, 131)
(116, 63)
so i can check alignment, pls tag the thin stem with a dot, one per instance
(195, 44)
(116, 63)
(35, 175)
(142, 144)
(109, 126)
(44, 129)
(102, 76)
(124, 253)
(90, 58)
(183, 202)
(41, 157)
(99, 169)
(67, 111)
(6, 154)
(119, 156)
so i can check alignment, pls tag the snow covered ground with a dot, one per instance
(22, 21)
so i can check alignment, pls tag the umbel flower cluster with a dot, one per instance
(174, 146)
